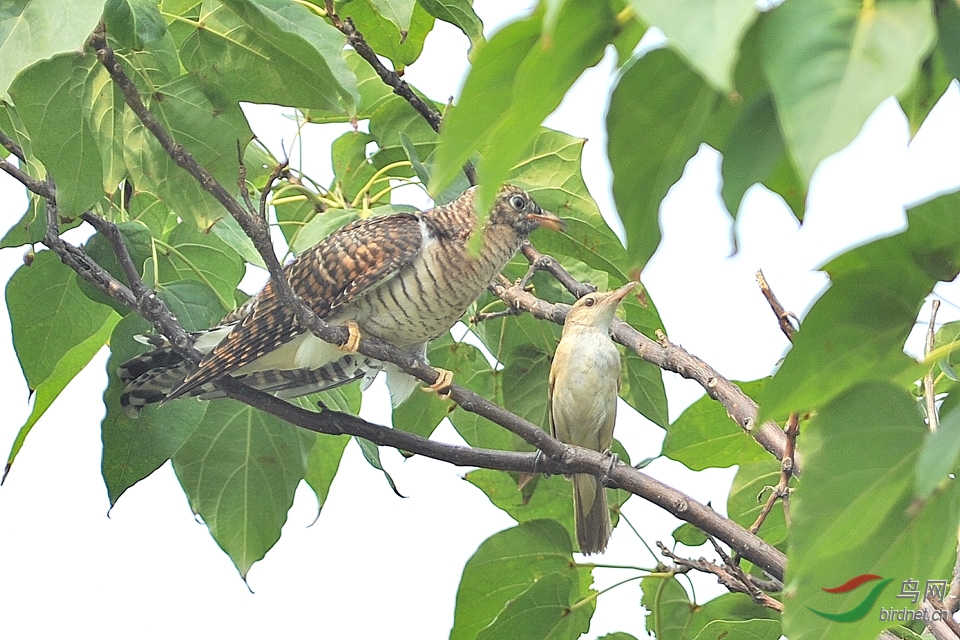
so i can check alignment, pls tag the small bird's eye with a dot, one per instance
(517, 202)
(589, 302)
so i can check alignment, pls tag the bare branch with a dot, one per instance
(10, 145)
(783, 316)
(734, 581)
(782, 490)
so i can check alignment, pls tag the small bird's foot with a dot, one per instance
(536, 461)
(442, 386)
(614, 459)
(353, 338)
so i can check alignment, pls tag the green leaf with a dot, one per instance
(72, 363)
(39, 29)
(544, 610)
(661, 106)
(103, 105)
(755, 152)
(939, 454)
(395, 117)
(704, 436)
(209, 133)
(519, 77)
(948, 25)
(229, 230)
(705, 32)
(550, 172)
(271, 52)
(47, 96)
(351, 169)
(854, 513)
(503, 567)
(383, 36)
(240, 469)
(397, 12)
(673, 616)
(135, 447)
(459, 13)
(933, 79)
(371, 453)
(831, 62)
(856, 330)
(134, 24)
(689, 535)
(750, 490)
(194, 304)
(150, 210)
(190, 254)
(49, 315)
(320, 226)
(740, 630)
(323, 461)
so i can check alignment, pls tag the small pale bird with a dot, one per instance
(405, 278)
(584, 385)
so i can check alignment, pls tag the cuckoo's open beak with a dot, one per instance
(547, 220)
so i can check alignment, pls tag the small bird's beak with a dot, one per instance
(617, 296)
(547, 220)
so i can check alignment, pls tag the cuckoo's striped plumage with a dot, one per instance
(405, 278)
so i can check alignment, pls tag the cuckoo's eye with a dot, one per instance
(589, 302)
(518, 202)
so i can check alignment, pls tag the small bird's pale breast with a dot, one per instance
(585, 390)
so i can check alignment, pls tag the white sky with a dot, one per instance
(363, 570)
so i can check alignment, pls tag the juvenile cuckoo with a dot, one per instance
(405, 278)
(584, 384)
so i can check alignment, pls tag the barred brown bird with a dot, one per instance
(583, 389)
(405, 278)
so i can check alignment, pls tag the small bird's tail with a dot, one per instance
(591, 513)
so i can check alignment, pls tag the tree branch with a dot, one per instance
(783, 316)
(734, 581)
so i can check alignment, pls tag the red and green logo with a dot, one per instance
(864, 607)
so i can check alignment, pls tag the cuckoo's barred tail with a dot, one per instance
(155, 383)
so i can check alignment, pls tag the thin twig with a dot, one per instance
(929, 392)
(10, 145)
(782, 490)
(733, 582)
(783, 316)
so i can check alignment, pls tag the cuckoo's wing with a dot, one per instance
(364, 254)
